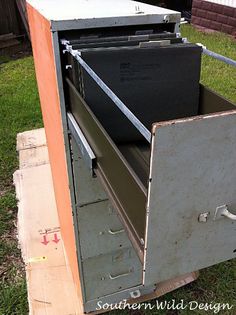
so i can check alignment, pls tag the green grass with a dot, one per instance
(215, 74)
(13, 295)
(20, 111)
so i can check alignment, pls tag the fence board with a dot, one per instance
(21, 4)
(9, 18)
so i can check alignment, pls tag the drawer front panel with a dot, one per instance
(107, 274)
(192, 186)
(100, 230)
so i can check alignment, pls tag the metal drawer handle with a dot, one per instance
(115, 232)
(228, 214)
(120, 275)
(222, 211)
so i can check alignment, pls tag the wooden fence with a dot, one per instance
(13, 17)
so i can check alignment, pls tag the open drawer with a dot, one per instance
(175, 192)
(192, 179)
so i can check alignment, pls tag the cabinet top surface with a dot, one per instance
(105, 12)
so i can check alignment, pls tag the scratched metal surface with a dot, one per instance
(122, 265)
(193, 170)
(100, 230)
(77, 14)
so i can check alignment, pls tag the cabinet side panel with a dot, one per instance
(42, 45)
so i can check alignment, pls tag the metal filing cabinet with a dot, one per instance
(109, 262)
(150, 151)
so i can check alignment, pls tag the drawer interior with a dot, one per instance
(159, 85)
(138, 153)
(142, 78)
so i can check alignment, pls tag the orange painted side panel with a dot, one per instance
(42, 44)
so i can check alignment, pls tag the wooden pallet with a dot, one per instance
(51, 289)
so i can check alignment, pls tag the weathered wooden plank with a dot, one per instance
(51, 289)
(31, 139)
(7, 36)
(9, 18)
(21, 4)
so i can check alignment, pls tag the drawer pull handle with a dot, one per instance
(223, 211)
(116, 232)
(120, 275)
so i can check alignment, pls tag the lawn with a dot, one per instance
(20, 111)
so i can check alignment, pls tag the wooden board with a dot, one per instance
(33, 157)
(31, 139)
(21, 4)
(9, 22)
(46, 74)
(51, 287)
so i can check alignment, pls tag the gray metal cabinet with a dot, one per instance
(101, 231)
(150, 151)
(108, 260)
(111, 273)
